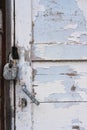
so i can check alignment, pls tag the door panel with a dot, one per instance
(59, 21)
(59, 36)
(52, 38)
(60, 116)
(44, 52)
(60, 81)
(59, 30)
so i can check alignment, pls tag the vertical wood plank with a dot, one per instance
(23, 33)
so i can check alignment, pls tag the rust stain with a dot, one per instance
(72, 74)
(33, 74)
(26, 55)
(33, 24)
(73, 88)
(53, 14)
(76, 127)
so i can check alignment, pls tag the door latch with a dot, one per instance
(34, 100)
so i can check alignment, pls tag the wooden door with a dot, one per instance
(52, 37)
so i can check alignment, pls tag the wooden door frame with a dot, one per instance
(5, 86)
(3, 60)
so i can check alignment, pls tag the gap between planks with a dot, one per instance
(63, 102)
(79, 60)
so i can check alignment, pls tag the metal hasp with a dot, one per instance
(34, 100)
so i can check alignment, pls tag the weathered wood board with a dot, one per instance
(44, 52)
(60, 30)
(59, 21)
(54, 116)
(60, 81)
(23, 27)
(52, 30)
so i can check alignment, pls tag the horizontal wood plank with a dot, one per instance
(58, 52)
(56, 116)
(55, 21)
(60, 81)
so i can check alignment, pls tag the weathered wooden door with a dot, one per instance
(52, 38)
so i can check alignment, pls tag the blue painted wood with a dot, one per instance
(50, 25)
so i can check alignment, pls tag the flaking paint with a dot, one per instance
(60, 87)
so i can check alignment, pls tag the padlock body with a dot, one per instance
(10, 73)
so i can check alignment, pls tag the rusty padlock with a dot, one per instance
(10, 69)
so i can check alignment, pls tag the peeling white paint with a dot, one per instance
(52, 117)
(52, 82)
(70, 26)
(23, 24)
(60, 51)
(23, 38)
(37, 7)
(56, 82)
(75, 37)
(83, 6)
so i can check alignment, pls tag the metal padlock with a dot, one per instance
(10, 71)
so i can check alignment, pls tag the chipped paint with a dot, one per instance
(37, 7)
(67, 19)
(60, 81)
(77, 36)
(51, 117)
(59, 33)
(23, 24)
(59, 51)
(70, 26)
(23, 37)
(82, 5)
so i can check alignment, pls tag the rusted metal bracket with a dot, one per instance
(34, 100)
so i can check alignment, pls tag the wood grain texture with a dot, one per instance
(23, 25)
(60, 81)
(55, 21)
(58, 52)
(56, 117)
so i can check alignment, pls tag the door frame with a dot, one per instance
(5, 86)
(3, 60)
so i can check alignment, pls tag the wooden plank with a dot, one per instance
(60, 116)
(60, 81)
(23, 34)
(55, 21)
(60, 31)
(58, 52)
